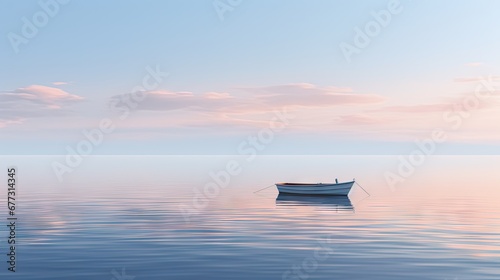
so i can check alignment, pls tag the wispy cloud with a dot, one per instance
(358, 119)
(475, 79)
(60, 83)
(251, 100)
(164, 100)
(474, 64)
(419, 108)
(447, 104)
(4, 123)
(33, 101)
(309, 95)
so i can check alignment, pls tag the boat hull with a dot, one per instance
(315, 189)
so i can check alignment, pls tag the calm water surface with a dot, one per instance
(118, 218)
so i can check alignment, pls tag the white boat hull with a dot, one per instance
(316, 189)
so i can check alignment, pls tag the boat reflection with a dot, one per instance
(339, 203)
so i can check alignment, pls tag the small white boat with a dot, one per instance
(316, 189)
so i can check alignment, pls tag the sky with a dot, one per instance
(249, 77)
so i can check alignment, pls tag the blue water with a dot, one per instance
(138, 218)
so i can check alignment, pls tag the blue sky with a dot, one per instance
(226, 78)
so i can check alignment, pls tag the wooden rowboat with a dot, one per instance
(315, 188)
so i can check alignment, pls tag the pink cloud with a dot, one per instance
(309, 95)
(163, 100)
(421, 108)
(448, 104)
(4, 123)
(45, 94)
(217, 95)
(474, 64)
(33, 101)
(357, 120)
(60, 83)
(476, 79)
(248, 100)
(338, 110)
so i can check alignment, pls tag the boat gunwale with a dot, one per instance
(313, 184)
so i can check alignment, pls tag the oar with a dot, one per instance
(362, 189)
(263, 189)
